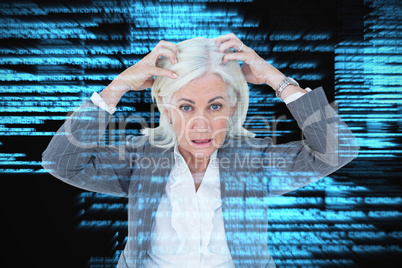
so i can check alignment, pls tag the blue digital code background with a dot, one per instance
(54, 54)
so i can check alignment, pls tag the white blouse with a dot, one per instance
(188, 230)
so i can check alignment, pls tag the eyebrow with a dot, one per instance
(184, 99)
(218, 97)
(211, 100)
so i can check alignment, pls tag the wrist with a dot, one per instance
(287, 87)
(113, 93)
(290, 90)
(274, 79)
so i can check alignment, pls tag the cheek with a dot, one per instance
(220, 124)
(219, 130)
(221, 120)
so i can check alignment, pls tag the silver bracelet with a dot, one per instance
(282, 85)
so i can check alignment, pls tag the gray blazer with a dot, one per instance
(251, 171)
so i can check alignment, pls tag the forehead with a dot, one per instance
(207, 86)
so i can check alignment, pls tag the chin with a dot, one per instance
(203, 152)
(200, 151)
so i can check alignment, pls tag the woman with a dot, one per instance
(198, 185)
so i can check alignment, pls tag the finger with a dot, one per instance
(163, 72)
(226, 37)
(222, 39)
(157, 52)
(235, 44)
(168, 45)
(234, 56)
(167, 53)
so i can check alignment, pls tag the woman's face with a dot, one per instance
(201, 115)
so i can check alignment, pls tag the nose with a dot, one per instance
(200, 124)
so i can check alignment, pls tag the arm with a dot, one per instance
(74, 155)
(255, 69)
(329, 143)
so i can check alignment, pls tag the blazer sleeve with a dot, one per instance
(328, 145)
(75, 157)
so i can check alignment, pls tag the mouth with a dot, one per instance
(201, 143)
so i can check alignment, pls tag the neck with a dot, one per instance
(195, 164)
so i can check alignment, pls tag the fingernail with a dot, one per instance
(174, 75)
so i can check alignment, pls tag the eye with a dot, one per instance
(186, 108)
(216, 107)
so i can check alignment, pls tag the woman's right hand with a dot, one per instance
(140, 75)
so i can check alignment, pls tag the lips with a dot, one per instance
(201, 142)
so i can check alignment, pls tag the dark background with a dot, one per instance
(41, 215)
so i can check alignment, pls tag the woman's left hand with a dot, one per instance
(255, 69)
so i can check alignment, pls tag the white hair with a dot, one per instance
(197, 57)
